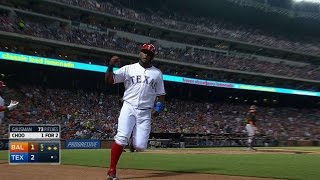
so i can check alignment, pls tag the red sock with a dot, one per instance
(116, 151)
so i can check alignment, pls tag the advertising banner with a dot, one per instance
(82, 144)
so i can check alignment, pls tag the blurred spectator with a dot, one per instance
(204, 25)
(195, 56)
(88, 118)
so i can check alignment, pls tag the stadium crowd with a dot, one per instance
(204, 25)
(93, 115)
(170, 69)
(193, 56)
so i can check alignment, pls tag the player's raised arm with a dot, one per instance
(114, 61)
(13, 104)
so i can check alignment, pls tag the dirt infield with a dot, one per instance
(66, 172)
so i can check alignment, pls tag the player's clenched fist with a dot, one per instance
(115, 60)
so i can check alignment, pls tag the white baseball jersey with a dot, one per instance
(1, 104)
(250, 130)
(142, 85)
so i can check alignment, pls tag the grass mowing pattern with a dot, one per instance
(287, 166)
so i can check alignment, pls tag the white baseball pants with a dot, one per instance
(135, 121)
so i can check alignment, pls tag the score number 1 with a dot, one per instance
(49, 135)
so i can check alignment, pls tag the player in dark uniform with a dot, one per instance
(251, 127)
(251, 115)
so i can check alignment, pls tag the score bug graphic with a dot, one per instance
(33, 148)
(34, 152)
(47, 132)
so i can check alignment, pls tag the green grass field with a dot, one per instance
(284, 166)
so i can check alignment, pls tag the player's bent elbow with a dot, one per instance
(109, 80)
(2, 108)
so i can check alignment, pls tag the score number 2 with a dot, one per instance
(49, 135)
(32, 157)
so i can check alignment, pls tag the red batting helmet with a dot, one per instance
(149, 48)
(2, 84)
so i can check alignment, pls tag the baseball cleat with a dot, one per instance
(112, 175)
(131, 148)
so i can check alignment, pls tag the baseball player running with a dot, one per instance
(251, 127)
(12, 105)
(143, 83)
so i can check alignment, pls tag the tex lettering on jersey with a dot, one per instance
(142, 85)
(143, 79)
